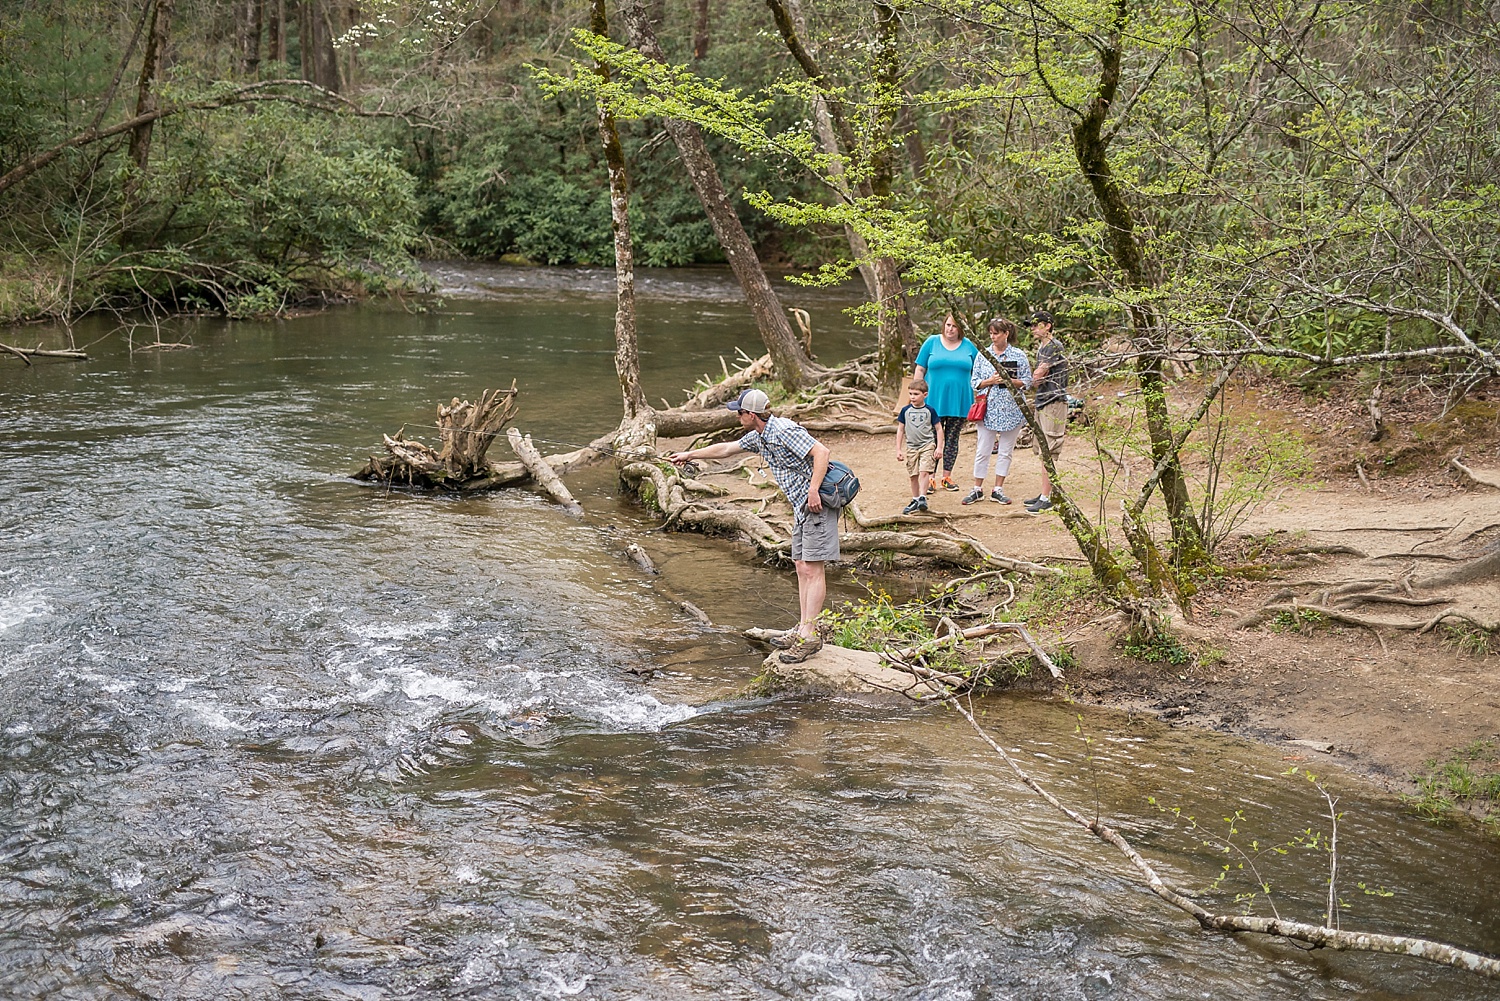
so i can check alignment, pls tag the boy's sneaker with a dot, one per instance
(998, 496)
(914, 505)
(922, 505)
(784, 641)
(973, 496)
(1042, 504)
(949, 484)
(1032, 500)
(932, 485)
(800, 650)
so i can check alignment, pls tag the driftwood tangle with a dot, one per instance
(465, 432)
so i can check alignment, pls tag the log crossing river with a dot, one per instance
(266, 732)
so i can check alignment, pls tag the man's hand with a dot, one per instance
(900, 455)
(814, 502)
(680, 458)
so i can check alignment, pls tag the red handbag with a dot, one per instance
(980, 408)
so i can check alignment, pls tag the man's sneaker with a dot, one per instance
(783, 641)
(922, 504)
(914, 505)
(973, 496)
(948, 484)
(803, 648)
(1032, 500)
(1042, 504)
(998, 496)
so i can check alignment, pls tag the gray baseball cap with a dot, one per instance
(752, 400)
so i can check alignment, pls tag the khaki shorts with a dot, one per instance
(1054, 421)
(815, 539)
(921, 460)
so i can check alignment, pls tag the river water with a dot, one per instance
(269, 733)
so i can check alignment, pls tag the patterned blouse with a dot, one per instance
(1001, 413)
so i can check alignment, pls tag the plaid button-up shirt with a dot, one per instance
(787, 448)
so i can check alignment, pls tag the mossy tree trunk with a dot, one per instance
(1091, 147)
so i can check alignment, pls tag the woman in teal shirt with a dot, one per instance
(945, 362)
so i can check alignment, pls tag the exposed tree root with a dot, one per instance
(943, 548)
(1478, 478)
(1325, 551)
(1336, 600)
(858, 516)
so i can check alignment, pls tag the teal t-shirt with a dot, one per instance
(948, 389)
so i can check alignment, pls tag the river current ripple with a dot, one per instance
(268, 733)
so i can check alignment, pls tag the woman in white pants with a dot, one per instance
(1002, 418)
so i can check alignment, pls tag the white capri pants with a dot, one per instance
(987, 439)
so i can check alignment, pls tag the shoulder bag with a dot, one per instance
(839, 486)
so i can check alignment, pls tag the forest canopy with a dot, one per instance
(1303, 179)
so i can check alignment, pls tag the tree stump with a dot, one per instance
(465, 433)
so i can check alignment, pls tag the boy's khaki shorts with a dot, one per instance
(921, 460)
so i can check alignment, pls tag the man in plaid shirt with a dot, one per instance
(798, 462)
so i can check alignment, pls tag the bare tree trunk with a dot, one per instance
(252, 14)
(627, 350)
(700, 28)
(151, 64)
(793, 366)
(320, 64)
(276, 31)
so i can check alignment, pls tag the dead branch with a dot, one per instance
(928, 678)
(1316, 935)
(639, 558)
(904, 657)
(26, 354)
(544, 474)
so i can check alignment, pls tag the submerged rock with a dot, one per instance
(841, 669)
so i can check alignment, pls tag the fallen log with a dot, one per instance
(542, 472)
(26, 354)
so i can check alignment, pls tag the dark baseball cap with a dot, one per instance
(1040, 316)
